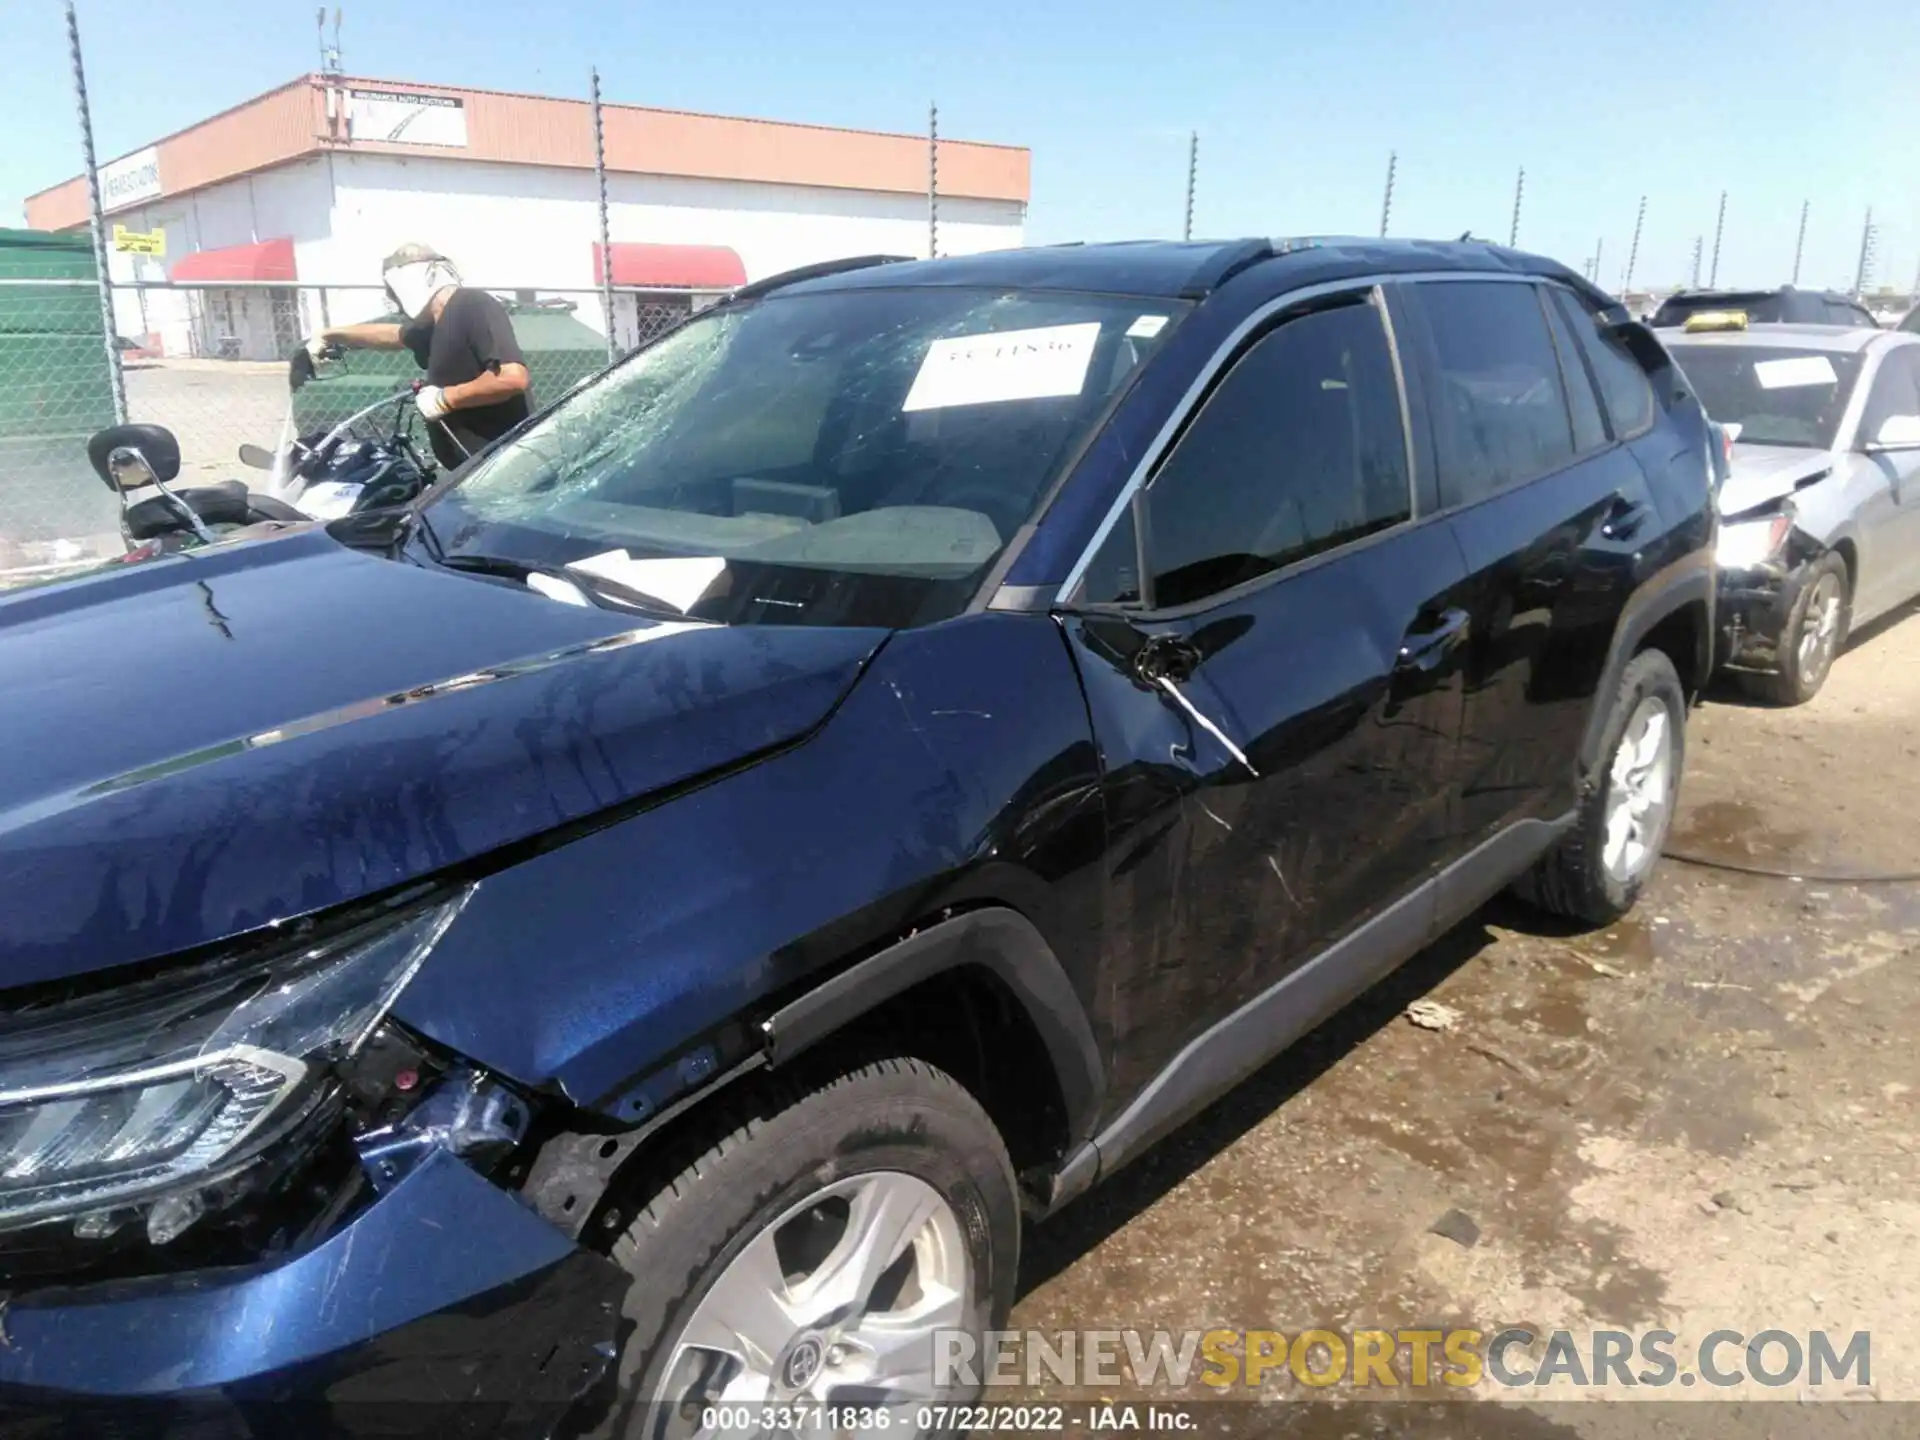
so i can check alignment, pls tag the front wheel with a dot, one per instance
(1595, 872)
(836, 1247)
(1815, 632)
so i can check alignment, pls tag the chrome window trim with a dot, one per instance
(1184, 410)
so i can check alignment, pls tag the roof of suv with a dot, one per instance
(1836, 339)
(1175, 268)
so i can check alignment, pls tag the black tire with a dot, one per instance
(1572, 878)
(1796, 682)
(779, 1144)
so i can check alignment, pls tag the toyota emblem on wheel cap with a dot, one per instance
(803, 1363)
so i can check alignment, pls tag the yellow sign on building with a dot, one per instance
(139, 242)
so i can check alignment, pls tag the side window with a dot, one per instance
(1896, 391)
(1499, 409)
(1113, 575)
(1589, 430)
(1299, 449)
(1623, 381)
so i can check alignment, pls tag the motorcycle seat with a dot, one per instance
(227, 502)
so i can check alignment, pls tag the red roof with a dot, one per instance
(673, 267)
(264, 260)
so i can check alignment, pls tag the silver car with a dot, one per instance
(1820, 508)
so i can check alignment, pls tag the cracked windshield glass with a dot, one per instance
(854, 458)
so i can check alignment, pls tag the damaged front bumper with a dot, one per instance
(1756, 603)
(446, 1307)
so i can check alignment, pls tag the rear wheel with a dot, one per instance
(1815, 632)
(815, 1253)
(1595, 871)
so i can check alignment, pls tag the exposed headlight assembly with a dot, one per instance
(148, 1093)
(1747, 544)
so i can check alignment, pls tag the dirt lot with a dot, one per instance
(1702, 1117)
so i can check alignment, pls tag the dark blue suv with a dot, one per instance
(626, 942)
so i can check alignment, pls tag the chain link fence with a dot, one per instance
(209, 362)
(55, 390)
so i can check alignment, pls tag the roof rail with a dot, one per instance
(1223, 265)
(813, 272)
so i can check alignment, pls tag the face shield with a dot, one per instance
(412, 287)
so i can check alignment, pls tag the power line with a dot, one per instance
(1519, 189)
(1800, 242)
(1386, 203)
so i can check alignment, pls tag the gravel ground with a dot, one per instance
(1701, 1117)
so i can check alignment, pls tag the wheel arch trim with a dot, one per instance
(1692, 580)
(1000, 941)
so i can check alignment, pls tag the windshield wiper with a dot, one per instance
(608, 594)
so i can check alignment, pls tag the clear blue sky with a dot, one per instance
(1297, 105)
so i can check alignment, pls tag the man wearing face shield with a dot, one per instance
(477, 384)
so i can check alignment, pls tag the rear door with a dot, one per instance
(1269, 641)
(1550, 509)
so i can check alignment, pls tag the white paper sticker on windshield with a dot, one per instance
(1795, 370)
(1004, 365)
(1146, 327)
(680, 580)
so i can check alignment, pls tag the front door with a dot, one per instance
(1268, 643)
(1551, 510)
(1889, 546)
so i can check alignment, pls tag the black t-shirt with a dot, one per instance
(473, 335)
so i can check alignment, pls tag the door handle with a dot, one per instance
(1624, 518)
(1426, 650)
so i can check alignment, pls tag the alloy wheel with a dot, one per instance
(1639, 791)
(1819, 631)
(836, 1302)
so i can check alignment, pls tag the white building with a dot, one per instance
(299, 193)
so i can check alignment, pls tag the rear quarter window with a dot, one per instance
(1625, 392)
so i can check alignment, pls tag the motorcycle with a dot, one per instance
(319, 476)
(132, 459)
(343, 471)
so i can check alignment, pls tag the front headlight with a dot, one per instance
(1748, 544)
(153, 1090)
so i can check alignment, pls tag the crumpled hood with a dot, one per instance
(1760, 473)
(199, 746)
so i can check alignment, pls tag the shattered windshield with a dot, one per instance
(843, 458)
(1776, 395)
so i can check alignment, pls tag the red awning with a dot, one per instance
(673, 267)
(265, 260)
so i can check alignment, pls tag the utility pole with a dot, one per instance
(1720, 224)
(606, 229)
(1597, 246)
(1800, 242)
(1699, 241)
(1519, 189)
(1386, 203)
(1866, 256)
(1193, 175)
(97, 221)
(933, 181)
(1633, 251)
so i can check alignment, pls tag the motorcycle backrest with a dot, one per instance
(154, 442)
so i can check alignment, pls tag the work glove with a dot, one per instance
(316, 347)
(432, 401)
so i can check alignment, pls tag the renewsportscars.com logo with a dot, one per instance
(1514, 1357)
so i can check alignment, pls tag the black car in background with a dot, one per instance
(1782, 306)
(643, 928)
